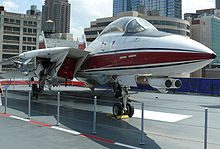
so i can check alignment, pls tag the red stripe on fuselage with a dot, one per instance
(141, 58)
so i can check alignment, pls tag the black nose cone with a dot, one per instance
(213, 56)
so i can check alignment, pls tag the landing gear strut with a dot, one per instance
(124, 106)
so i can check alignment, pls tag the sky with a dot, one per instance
(85, 11)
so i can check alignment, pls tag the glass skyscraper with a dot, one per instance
(120, 6)
(135, 4)
(166, 8)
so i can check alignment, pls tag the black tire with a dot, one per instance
(130, 110)
(117, 109)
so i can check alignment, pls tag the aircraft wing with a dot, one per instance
(48, 63)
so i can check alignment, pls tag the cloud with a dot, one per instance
(17, 7)
(85, 11)
(77, 31)
(190, 6)
(9, 5)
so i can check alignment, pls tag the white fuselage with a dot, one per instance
(117, 54)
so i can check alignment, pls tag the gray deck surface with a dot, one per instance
(76, 114)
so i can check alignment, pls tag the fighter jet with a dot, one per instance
(127, 48)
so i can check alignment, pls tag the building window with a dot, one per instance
(34, 39)
(35, 23)
(18, 22)
(24, 39)
(29, 30)
(12, 20)
(14, 38)
(11, 47)
(29, 48)
(34, 31)
(25, 22)
(93, 32)
(9, 28)
(30, 22)
(188, 34)
(24, 48)
(29, 39)
(25, 30)
(6, 20)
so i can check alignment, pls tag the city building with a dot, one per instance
(166, 8)
(206, 30)
(135, 4)
(200, 13)
(207, 11)
(190, 16)
(121, 6)
(57, 11)
(170, 25)
(18, 33)
(33, 11)
(217, 4)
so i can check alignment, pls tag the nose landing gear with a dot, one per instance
(124, 107)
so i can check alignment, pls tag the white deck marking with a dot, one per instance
(160, 116)
(151, 115)
(66, 130)
(19, 118)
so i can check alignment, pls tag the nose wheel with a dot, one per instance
(129, 110)
(124, 106)
(118, 109)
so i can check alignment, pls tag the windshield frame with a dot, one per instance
(139, 21)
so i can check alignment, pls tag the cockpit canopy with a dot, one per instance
(128, 25)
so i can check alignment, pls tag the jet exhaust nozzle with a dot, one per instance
(168, 83)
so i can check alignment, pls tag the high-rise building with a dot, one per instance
(217, 4)
(166, 8)
(135, 4)
(59, 12)
(33, 11)
(120, 6)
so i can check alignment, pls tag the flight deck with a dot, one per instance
(170, 120)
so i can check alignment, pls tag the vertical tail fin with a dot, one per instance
(82, 44)
(42, 41)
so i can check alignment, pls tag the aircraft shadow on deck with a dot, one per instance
(81, 121)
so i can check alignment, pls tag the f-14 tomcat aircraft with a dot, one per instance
(126, 48)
